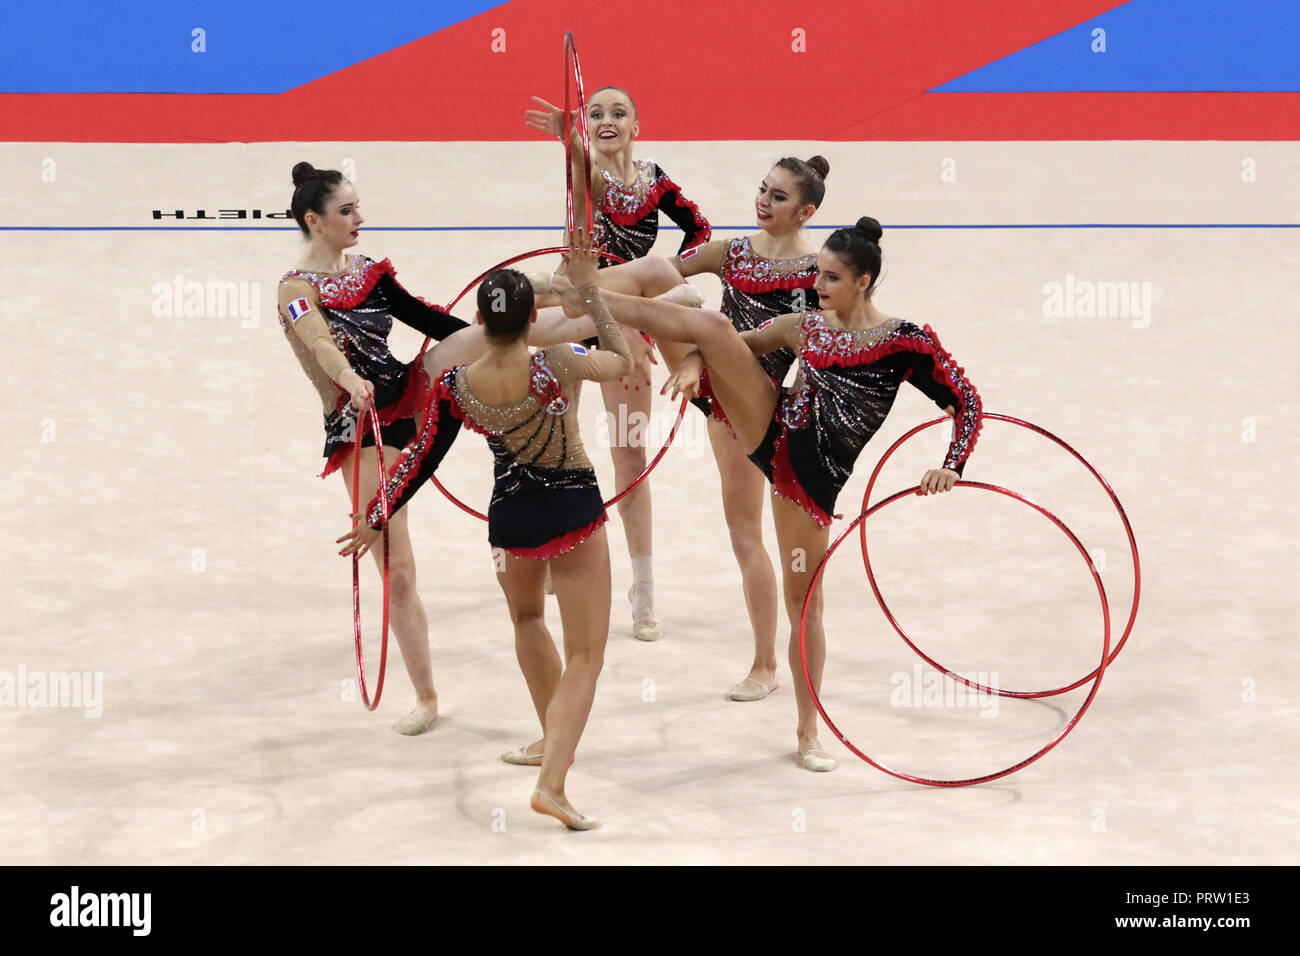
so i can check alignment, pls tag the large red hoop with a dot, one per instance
(1128, 528)
(672, 434)
(968, 781)
(373, 422)
(573, 73)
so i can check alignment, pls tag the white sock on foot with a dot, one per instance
(643, 588)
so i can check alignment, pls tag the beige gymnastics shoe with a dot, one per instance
(819, 764)
(545, 803)
(751, 688)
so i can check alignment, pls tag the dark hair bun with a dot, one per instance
(869, 228)
(820, 166)
(303, 172)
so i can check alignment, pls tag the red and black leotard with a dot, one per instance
(359, 306)
(847, 383)
(545, 500)
(628, 217)
(754, 291)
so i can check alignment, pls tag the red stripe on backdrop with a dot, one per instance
(1084, 116)
(697, 71)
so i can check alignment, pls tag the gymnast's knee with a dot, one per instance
(585, 660)
(401, 583)
(660, 275)
(746, 539)
(628, 459)
(528, 619)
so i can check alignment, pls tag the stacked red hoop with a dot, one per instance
(1107, 655)
(1128, 529)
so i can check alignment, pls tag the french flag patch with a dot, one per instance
(578, 349)
(298, 308)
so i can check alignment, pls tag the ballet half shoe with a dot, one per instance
(644, 626)
(818, 761)
(574, 821)
(751, 688)
(419, 721)
(646, 630)
(522, 758)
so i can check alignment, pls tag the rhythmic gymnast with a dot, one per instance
(852, 360)
(337, 311)
(628, 195)
(770, 273)
(546, 507)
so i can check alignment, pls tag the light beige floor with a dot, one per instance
(140, 447)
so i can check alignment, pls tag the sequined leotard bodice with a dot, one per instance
(358, 307)
(755, 290)
(847, 383)
(628, 217)
(535, 442)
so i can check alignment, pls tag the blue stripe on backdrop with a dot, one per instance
(249, 46)
(558, 229)
(1157, 45)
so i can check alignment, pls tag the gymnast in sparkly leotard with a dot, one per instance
(852, 360)
(628, 196)
(546, 508)
(337, 311)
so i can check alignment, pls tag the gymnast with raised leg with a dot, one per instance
(546, 507)
(770, 273)
(337, 310)
(627, 195)
(852, 359)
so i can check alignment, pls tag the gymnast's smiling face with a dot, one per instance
(777, 205)
(340, 225)
(838, 286)
(611, 120)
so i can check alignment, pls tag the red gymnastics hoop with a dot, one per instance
(1128, 528)
(573, 72)
(672, 434)
(966, 782)
(373, 421)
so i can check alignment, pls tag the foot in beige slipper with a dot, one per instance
(571, 818)
(751, 688)
(818, 761)
(418, 721)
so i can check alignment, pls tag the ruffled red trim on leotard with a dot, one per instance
(786, 485)
(909, 343)
(715, 406)
(564, 543)
(793, 281)
(414, 398)
(428, 429)
(354, 297)
(656, 192)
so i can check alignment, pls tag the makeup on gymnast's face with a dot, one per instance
(838, 287)
(777, 204)
(611, 121)
(343, 219)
